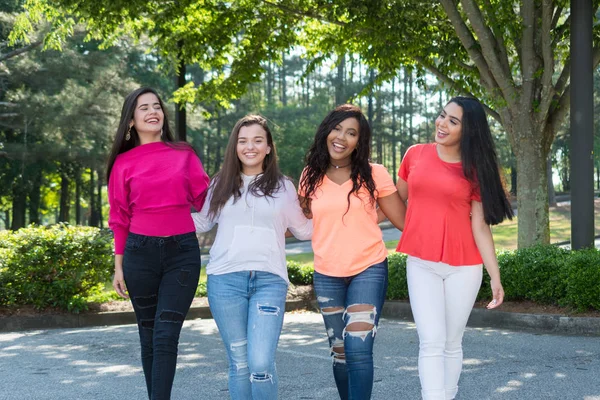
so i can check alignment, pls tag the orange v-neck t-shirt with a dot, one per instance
(347, 243)
(438, 218)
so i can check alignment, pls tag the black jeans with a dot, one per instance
(161, 274)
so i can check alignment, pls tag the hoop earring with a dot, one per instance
(128, 136)
(162, 136)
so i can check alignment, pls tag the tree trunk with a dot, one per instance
(269, 85)
(78, 220)
(218, 148)
(339, 81)
(6, 219)
(378, 126)
(532, 185)
(551, 191)
(370, 111)
(18, 208)
(513, 180)
(282, 79)
(180, 109)
(94, 220)
(65, 198)
(307, 90)
(35, 194)
(565, 178)
(99, 197)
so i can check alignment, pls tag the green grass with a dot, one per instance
(505, 234)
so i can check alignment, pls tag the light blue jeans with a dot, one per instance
(248, 307)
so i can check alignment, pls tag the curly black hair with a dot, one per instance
(318, 159)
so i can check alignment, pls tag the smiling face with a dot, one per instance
(448, 125)
(342, 140)
(252, 148)
(148, 117)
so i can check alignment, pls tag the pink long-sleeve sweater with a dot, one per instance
(150, 190)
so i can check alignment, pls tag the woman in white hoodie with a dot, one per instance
(253, 205)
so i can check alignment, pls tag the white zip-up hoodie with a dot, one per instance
(251, 231)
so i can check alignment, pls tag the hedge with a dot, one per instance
(63, 266)
(300, 274)
(60, 266)
(543, 274)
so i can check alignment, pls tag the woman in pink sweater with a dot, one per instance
(152, 182)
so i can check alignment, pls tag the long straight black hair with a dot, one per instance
(228, 181)
(318, 159)
(120, 145)
(480, 162)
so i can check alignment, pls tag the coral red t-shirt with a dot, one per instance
(438, 218)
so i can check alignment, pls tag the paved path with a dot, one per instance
(103, 363)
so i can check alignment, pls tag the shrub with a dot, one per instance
(544, 274)
(300, 274)
(59, 266)
(534, 273)
(397, 285)
(201, 289)
(582, 275)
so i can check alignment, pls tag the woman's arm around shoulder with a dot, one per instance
(298, 223)
(388, 199)
(199, 181)
(202, 222)
(485, 244)
(394, 209)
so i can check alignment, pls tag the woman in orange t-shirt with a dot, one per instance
(455, 193)
(341, 189)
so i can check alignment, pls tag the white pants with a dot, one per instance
(441, 299)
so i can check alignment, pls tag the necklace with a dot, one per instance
(340, 166)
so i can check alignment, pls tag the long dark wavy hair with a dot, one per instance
(480, 162)
(228, 181)
(318, 159)
(120, 145)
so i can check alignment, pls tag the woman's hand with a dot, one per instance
(497, 294)
(118, 279)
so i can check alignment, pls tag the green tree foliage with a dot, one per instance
(511, 54)
(57, 114)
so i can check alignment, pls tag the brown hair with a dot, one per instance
(228, 181)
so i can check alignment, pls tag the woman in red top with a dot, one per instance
(455, 194)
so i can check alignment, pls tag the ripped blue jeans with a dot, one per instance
(161, 274)
(248, 307)
(351, 307)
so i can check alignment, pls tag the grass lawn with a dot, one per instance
(505, 234)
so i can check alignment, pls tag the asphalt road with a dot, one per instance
(103, 363)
